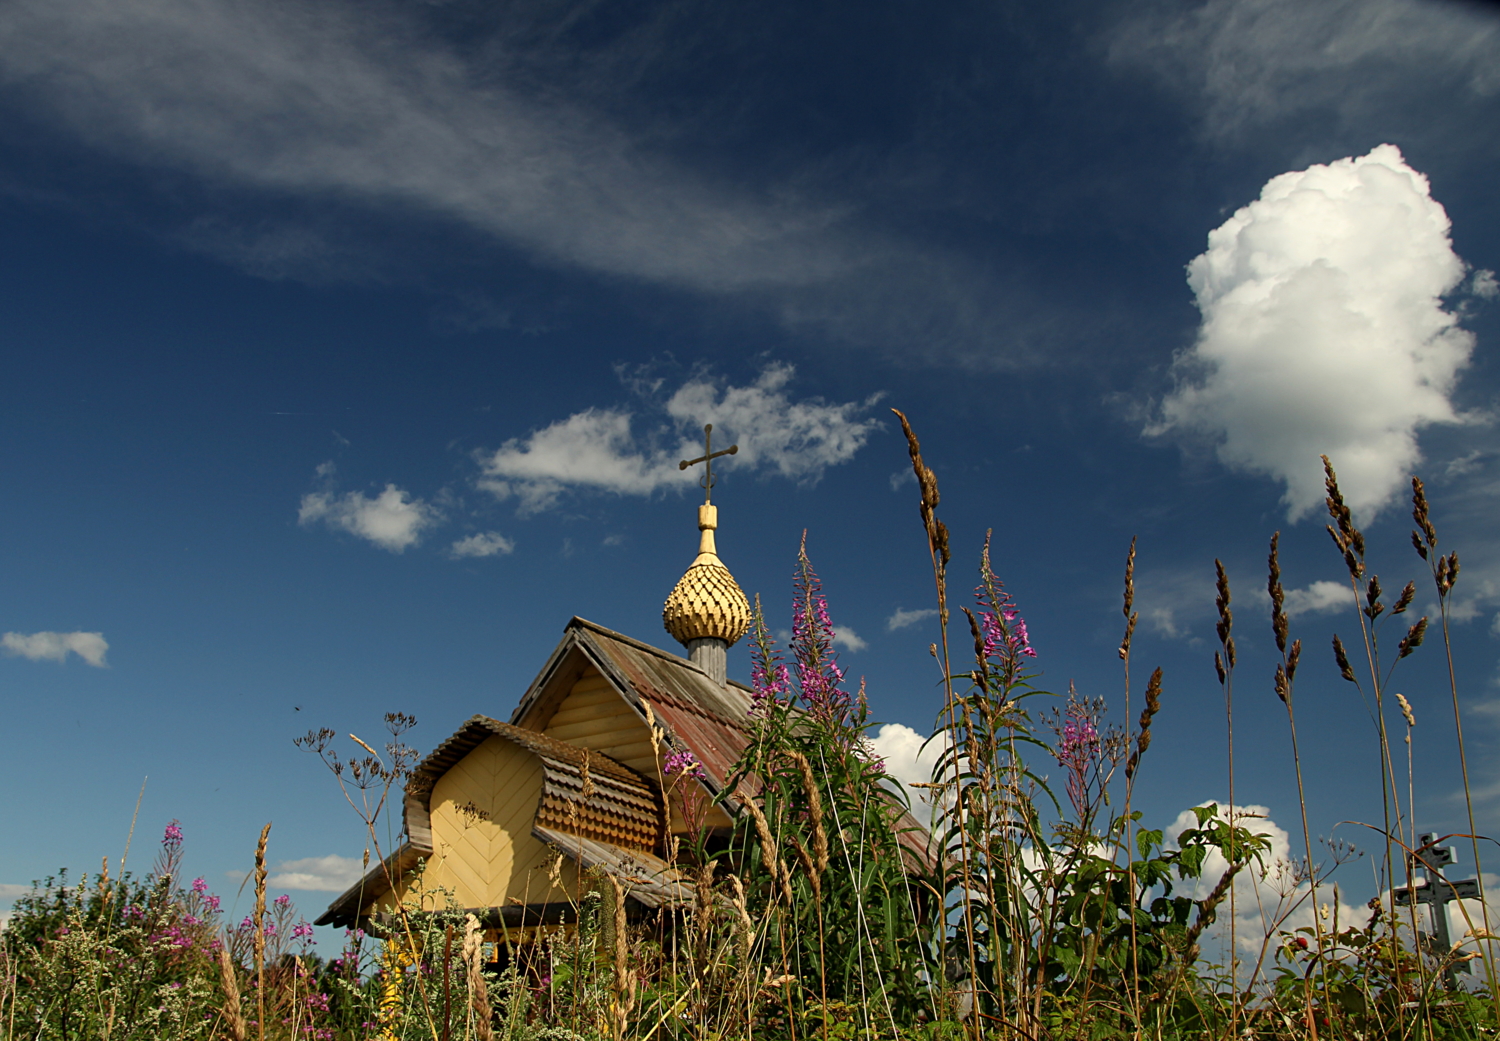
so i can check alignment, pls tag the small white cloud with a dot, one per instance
(1324, 331)
(1321, 597)
(901, 478)
(614, 540)
(603, 449)
(330, 874)
(1483, 284)
(903, 619)
(484, 544)
(11, 890)
(392, 520)
(56, 646)
(847, 638)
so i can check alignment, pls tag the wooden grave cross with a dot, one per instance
(1438, 892)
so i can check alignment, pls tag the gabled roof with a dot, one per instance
(695, 712)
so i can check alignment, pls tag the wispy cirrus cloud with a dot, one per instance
(636, 451)
(49, 646)
(327, 113)
(1253, 62)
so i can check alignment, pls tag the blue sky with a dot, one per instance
(350, 349)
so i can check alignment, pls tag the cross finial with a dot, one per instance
(707, 459)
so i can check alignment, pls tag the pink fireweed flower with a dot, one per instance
(769, 678)
(1006, 640)
(173, 834)
(200, 886)
(682, 762)
(1081, 749)
(819, 677)
(282, 900)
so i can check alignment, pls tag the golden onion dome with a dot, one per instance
(706, 603)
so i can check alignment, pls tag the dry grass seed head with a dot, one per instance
(1143, 739)
(1279, 625)
(1419, 514)
(1130, 616)
(1341, 657)
(1373, 606)
(228, 980)
(1413, 638)
(1411, 720)
(1408, 594)
(1225, 625)
(815, 810)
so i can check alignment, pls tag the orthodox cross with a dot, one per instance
(707, 459)
(1438, 892)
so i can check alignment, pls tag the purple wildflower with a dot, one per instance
(300, 930)
(282, 900)
(173, 835)
(1006, 640)
(200, 886)
(769, 677)
(1078, 750)
(818, 674)
(683, 762)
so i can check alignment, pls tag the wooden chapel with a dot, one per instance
(505, 817)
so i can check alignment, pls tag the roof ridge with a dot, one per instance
(578, 621)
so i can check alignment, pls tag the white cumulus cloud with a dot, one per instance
(483, 544)
(1324, 331)
(392, 520)
(847, 638)
(909, 762)
(56, 646)
(903, 619)
(607, 450)
(1269, 898)
(330, 874)
(12, 890)
(1321, 597)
